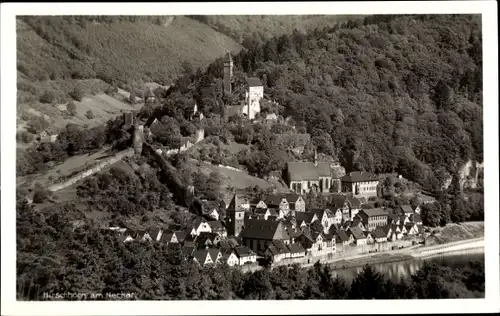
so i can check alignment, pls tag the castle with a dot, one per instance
(254, 90)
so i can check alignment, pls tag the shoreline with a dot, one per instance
(418, 252)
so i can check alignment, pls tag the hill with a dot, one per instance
(249, 28)
(391, 93)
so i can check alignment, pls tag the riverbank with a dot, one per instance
(402, 254)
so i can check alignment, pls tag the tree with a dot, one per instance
(368, 284)
(71, 108)
(48, 97)
(76, 93)
(89, 114)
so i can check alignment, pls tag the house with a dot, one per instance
(403, 219)
(354, 206)
(230, 258)
(388, 232)
(373, 218)
(402, 229)
(253, 95)
(210, 209)
(392, 219)
(341, 237)
(216, 255)
(271, 117)
(357, 222)
(277, 251)
(338, 215)
(258, 203)
(369, 237)
(277, 202)
(125, 238)
(417, 209)
(296, 251)
(276, 213)
(305, 218)
(316, 244)
(302, 177)
(258, 234)
(397, 232)
(169, 237)
(216, 227)
(155, 233)
(358, 235)
(200, 225)
(341, 202)
(181, 235)
(295, 202)
(360, 183)
(205, 240)
(245, 255)
(380, 234)
(406, 210)
(203, 257)
(411, 229)
(326, 218)
(416, 218)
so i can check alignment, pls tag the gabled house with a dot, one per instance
(257, 203)
(326, 218)
(277, 202)
(358, 235)
(411, 229)
(277, 251)
(245, 255)
(417, 209)
(416, 218)
(305, 218)
(216, 227)
(200, 225)
(369, 237)
(207, 240)
(230, 258)
(341, 202)
(358, 223)
(388, 232)
(380, 235)
(354, 206)
(341, 237)
(258, 234)
(211, 209)
(295, 202)
(296, 251)
(338, 215)
(397, 232)
(155, 233)
(169, 237)
(216, 255)
(203, 257)
(406, 210)
(125, 238)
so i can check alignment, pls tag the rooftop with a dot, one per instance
(254, 82)
(374, 212)
(359, 176)
(308, 171)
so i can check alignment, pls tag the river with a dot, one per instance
(396, 270)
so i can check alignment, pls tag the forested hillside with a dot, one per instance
(115, 49)
(248, 28)
(391, 93)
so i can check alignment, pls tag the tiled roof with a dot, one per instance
(296, 248)
(302, 171)
(379, 233)
(291, 197)
(342, 235)
(261, 229)
(359, 176)
(374, 212)
(243, 251)
(214, 253)
(357, 232)
(416, 218)
(273, 200)
(406, 209)
(216, 225)
(353, 202)
(201, 255)
(254, 82)
(240, 202)
(304, 216)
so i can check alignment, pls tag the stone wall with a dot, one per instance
(82, 175)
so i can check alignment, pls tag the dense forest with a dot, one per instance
(390, 93)
(56, 257)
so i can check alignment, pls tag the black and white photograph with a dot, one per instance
(259, 152)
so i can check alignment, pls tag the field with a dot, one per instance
(69, 167)
(455, 232)
(237, 179)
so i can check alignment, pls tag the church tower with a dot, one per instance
(228, 73)
(236, 214)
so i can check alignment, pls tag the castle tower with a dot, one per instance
(228, 73)
(315, 156)
(138, 138)
(254, 93)
(149, 97)
(236, 214)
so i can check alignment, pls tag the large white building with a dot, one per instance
(253, 95)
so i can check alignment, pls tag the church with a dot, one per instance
(253, 94)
